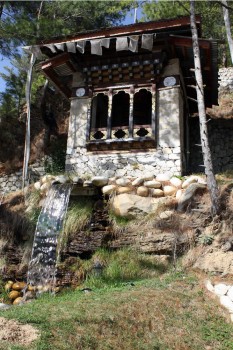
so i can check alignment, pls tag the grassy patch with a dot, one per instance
(111, 268)
(78, 214)
(167, 312)
(115, 268)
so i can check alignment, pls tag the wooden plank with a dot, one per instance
(49, 72)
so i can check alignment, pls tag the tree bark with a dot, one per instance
(211, 181)
(1, 8)
(226, 17)
(25, 176)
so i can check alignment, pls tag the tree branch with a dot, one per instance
(223, 5)
(180, 3)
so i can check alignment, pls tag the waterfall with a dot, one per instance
(42, 266)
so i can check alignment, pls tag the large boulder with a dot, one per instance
(188, 195)
(109, 189)
(169, 190)
(99, 181)
(156, 192)
(189, 181)
(131, 205)
(124, 189)
(152, 184)
(123, 182)
(175, 181)
(142, 191)
(160, 243)
(138, 181)
(215, 262)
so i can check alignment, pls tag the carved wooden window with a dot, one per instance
(122, 115)
(99, 117)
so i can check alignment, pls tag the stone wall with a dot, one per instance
(226, 80)
(221, 144)
(13, 182)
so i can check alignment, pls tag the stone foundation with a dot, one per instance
(163, 159)
(225, 80)
(13, 182)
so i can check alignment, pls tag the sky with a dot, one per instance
(6, 62)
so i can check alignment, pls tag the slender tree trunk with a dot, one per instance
(226, 17)
(211, 181)
(1, 8)
(28, 102)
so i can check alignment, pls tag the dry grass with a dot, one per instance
(78, 214)
(225, 108)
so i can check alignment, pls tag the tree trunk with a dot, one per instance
(1, 8)
(28, 103)
(226, 17)
(211, 181)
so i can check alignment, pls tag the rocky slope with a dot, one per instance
(203, 242)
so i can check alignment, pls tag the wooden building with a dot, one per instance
(131, 94)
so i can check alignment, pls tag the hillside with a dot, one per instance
(170, 311)
(48, 125)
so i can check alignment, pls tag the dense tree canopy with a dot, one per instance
(211, 11)
(29, 22)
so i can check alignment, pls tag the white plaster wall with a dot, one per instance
(165, 158)
(168, 116)
(77, 125)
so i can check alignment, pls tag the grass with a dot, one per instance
(78, 215)
(110, 269)
(121, 266)
(170, 311)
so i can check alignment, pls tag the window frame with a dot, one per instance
(130, 130)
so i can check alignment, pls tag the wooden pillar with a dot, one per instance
(131, 99)
(153, 116)
(109, 121)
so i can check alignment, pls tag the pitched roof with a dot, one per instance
(173, 36)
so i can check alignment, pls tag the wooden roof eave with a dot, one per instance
(136, 28)
(210, 69)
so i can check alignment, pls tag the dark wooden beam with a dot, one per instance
(52, 75)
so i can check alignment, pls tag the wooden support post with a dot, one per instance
(109, 121)
(131, 112)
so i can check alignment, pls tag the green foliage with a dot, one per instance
(55, 164)
(206, 239)
(13, 98)
(78, 215)
(119, 222)
(33, 211)
(26, 22)
(208, 9)
(125, 265)
(217, 332)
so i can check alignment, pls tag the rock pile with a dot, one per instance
(225, 294)
(20, 292)
(15, 291)
(132, 196)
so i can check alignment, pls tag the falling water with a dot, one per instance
(42, 267)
